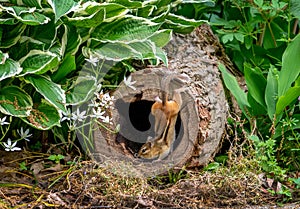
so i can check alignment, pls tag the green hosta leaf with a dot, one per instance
(120, 51)
(43, 117)
(295, 8)
(26, 15)
(15, 101)
(161, 37)
(271, 93)
(82, 90)
(8, 21)
(233, 86)
(11, 35)
(128, 4)
(51, 91)
(112, 51)
(89, 21)
(290, 67)
(126, 29)
(290, 96)
(146, 11)
(38, 62)
(256, 84)
(161, 55)
(72, 40)
(181, 24)
(8, 67)
(30, 3)
(68, 65)
(62, 7)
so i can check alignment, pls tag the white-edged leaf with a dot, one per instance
(26, 15)
(15, 101)
(51, 91)
(8, 67)
(43, 117)
(125, 29)
(271, 93)
(38, 62)
(62, 7)
(161, 37)
(82, 90)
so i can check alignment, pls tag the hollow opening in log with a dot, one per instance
(137, 124)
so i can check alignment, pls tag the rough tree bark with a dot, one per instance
(194, 58)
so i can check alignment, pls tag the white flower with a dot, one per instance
(67, 116)
(24, 135)
(106, 119)
(129, 83)
(11, 147)
(78, 116)
(97, 113)
(2, 121)
(93, 60)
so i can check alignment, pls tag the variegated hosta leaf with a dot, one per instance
(8, 67)
(61, 8)
(82, 90)
(11, 34)
(92, 14)
(119, 51)
(26, 15)
(31, 3)
(43, 117)
(51, 91)
(15, 101)
(128, 3)
(38, 62)
(71, 40)
(89, 21)
(161, 37)
(181, 24)
(126, 29)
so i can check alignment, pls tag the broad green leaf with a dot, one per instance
(146, 11)
(112, 51)
(256, 84)
(26, 15)
(271, 93)
(126, 29)
(11, 35)
(161, 55)
(290, 96)
(67, 66)
(30, 3)
(82, 90)
(15, 101)
(233, 86)
(72, 40)
(128, 3)
(181, 24)
(38, 62)
(161, 37)
(89, 21)
(61, 8)
(51, 91)
(295, 8)
(43, 117)
(8, 67)
(290, 66)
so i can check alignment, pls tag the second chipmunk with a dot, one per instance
(165, 112)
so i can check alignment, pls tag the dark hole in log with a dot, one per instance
(138, 115)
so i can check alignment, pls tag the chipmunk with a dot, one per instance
(165, 112)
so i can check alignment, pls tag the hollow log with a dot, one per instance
(193, 59)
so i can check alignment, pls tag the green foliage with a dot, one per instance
(45, 44)
(56, 158)
(263, 45)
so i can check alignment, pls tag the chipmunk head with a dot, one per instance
(148, 151)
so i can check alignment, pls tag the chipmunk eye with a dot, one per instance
(144, 149)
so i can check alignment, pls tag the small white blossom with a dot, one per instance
(93, 60)
(2, 121)
(67, 116)
(78, 116)
(129, 83)
(24, 135)
(11, 147)
(97, 113)
(106, 119)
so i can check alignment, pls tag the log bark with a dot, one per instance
(194, 58)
